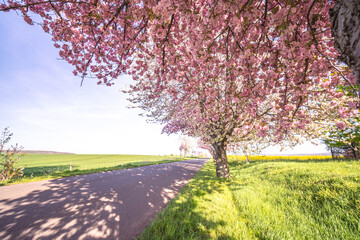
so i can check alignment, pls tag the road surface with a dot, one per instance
(111, 205)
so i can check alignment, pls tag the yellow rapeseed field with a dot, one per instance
(279, 158)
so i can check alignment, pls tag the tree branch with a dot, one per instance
(317, 48)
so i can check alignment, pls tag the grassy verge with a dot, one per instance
(50, 166)
(307, 199)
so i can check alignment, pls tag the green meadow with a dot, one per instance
(48, 166)
(269, 198)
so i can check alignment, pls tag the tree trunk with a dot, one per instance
(345, 21)
(221, 162)
(247, 159)
(332, 152)
(353, 150)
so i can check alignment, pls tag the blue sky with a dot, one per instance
(46, 109)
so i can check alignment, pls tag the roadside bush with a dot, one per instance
(9, 158)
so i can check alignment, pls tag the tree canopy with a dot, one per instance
(215, 69)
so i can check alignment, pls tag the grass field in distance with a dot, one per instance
(276, 197)
(48, 166)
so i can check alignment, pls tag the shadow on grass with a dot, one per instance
(184, 217)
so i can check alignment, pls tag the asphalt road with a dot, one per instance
(110, 205)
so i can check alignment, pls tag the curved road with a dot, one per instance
(109, 205)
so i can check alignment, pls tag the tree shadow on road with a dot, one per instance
(110, 205)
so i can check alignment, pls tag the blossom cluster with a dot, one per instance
(216, 69)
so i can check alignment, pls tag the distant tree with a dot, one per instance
(252, 145)
(186, 145)
(343, 138)
(344, 141)
(9, 158)
(181, 148)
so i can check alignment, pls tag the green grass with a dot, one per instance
(50, 166)
(266, 199)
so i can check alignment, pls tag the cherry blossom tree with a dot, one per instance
(214, 110)
(215, 69)
(226, 110)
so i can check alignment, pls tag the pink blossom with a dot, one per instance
(343, 112)
(341, 125)
(28, 19)
(352, 104)
(339, 95)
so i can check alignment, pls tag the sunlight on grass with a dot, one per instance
(201, 211)
(274, 198)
